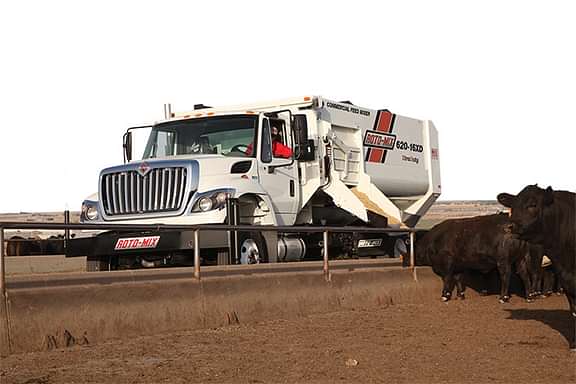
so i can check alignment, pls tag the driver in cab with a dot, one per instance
(279, 149)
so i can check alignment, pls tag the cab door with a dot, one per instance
(278, 175)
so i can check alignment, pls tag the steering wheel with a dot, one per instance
(239, 148)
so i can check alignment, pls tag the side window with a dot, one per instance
(280, 139)
(266, 152)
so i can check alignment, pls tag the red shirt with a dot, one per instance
(278, 150)
(281, 150)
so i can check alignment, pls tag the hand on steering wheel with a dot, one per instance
(242, 148)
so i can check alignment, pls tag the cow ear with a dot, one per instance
(506, 199)
(548, 196)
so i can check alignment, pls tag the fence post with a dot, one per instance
(2, 266)
(5, 325)
(326, 267)
(67, 230)
(412, 249)
(412, 261)
(232, 219)
(196, 255)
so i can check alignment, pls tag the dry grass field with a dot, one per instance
(476, 340)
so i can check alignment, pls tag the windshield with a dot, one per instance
(224, 135)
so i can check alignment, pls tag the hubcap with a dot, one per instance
(249, 253)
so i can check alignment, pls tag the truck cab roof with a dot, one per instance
(252, 108)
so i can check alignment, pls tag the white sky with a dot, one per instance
(498, 78)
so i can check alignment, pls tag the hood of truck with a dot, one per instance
(205, 165)
(165, 187)
(217, 172)
(216, 165)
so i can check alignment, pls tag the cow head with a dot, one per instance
(527, 209)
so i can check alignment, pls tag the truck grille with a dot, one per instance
(128, 192)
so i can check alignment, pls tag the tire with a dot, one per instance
(251, 248)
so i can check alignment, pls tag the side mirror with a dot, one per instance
(307, 151)
(127, 145)
(301, 142)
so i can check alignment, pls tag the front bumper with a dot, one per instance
(169, 241)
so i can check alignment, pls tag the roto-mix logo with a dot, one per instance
(379, 140)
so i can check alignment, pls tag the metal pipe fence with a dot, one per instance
(325, 230)
(67, 226)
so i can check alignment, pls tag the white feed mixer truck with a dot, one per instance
(304, 161)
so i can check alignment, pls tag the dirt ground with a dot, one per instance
(476, 340)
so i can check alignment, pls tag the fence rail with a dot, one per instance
(191, 227)
(326, 230)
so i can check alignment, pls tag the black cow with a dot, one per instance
(547, 217)
(20, 246)
(481, 243)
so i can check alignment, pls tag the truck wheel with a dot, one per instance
(251, 248)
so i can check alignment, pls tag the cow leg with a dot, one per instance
(568, 282)
(504, 269)
(548, 282)
(570, 292)
(557, 283)
(553, 282)
(535, 272)
(460, 287)
(538, 284)
(448, 287)
(572, 304)
(537, 277)
(523, 270)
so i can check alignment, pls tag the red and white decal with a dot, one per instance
(382, 129)
(379, 140)
(137, 243)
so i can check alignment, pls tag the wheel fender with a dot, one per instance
(264, 201)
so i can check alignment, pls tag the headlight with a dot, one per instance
(89, 211)
(212, 200)
(205, 204)
(221, 197)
